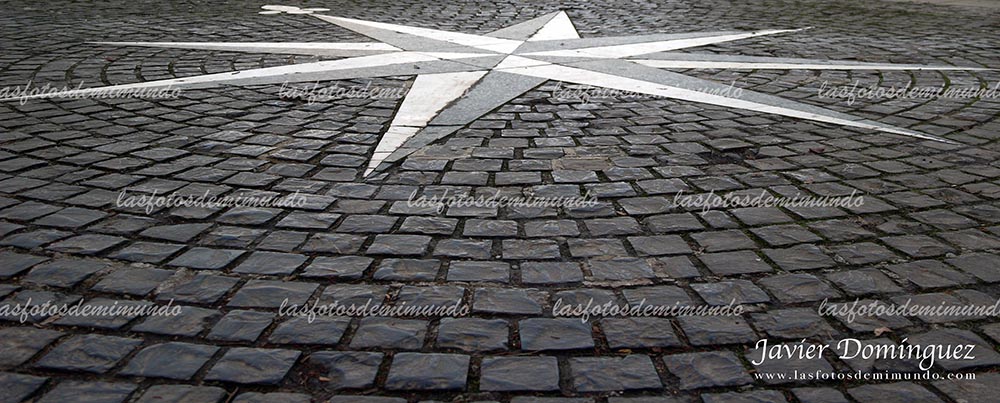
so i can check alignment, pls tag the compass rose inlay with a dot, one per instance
(464, 76)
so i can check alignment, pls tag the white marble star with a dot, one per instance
(460, 77)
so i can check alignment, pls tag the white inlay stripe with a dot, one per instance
(635, 49)
(498, 45)
(587, 77)
(310, 48)
(456, 55)
(248, 76)
(512, 61)
(701, 64)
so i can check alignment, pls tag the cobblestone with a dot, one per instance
(927, 233)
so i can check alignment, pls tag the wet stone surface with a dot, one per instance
(928, 231)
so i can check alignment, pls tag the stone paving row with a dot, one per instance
(928, 231)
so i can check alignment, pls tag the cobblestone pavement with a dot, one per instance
(929, 229)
